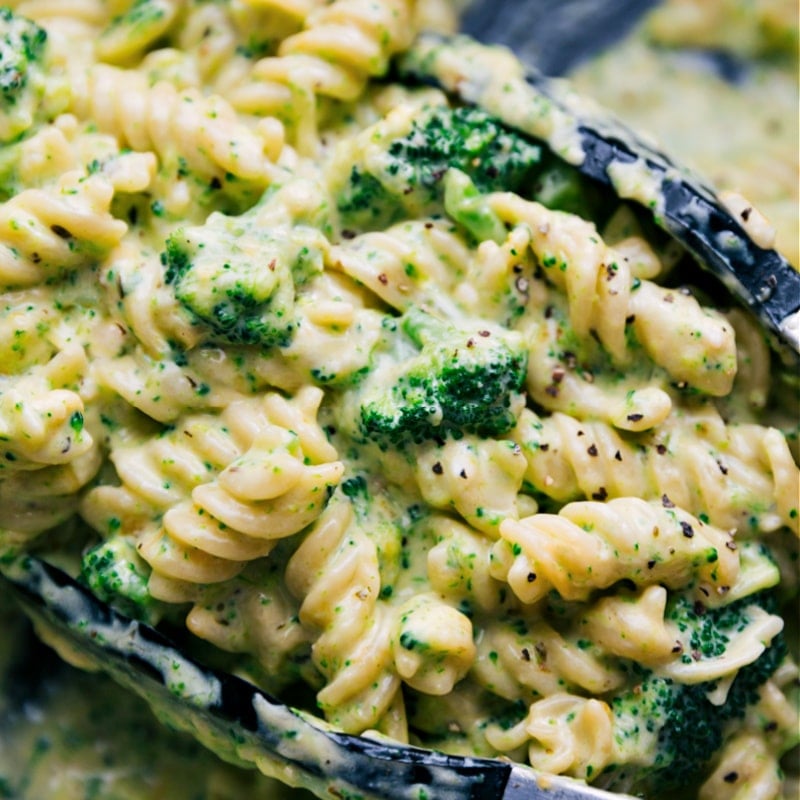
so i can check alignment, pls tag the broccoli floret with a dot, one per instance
(238, 280)
(22, 49)
(395, 169)
(468, 207)
(453, 381)
(679, 720)
(116, 574)
(560, 186)
(131, 33)
(21, 46)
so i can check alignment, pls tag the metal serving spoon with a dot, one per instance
(248, 727)
(602, 148)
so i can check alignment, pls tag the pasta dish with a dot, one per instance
(381, 404)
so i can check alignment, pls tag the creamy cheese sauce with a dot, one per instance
(81, 737)
(741, 134)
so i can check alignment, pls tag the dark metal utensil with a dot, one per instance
(602, 148)
(246, 726)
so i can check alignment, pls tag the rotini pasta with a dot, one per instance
(45, 234)
(335, 574)
(341, 45)
(646, 543)
(378, 396)
(220, 491)
(566, 734)
(206, 139)
(602, 299)
(695, 460)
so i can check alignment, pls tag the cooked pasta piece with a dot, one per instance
(42, 413)
(184, 128)
(131, 33)
(479, 479)
(335, 575)
(342, 44)
(44, 234)
(565, 734)
(254, 614)
(747, 771)
(722, 473)
(219, 491)
(591, 545)
(632, 626)
(458, 567)
(432, 644)
(694, 345)
(519, 662)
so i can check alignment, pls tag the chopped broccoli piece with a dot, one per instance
(131, 33)
(709, 629)
(116, 574)
(238, 280)
(454, 381)
(687, 730)
(560, 186)
(468, 207)
(21, 45)
(22, 85)
(355, 488)
(686, 726)
(143, 13)
(396, 168)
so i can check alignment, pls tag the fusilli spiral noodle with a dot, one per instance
(478, 479)
(603, 299)
(187, 130)
(458, 566)
(341, 45)
(42, 414)
(335, 574)
(628, 538)
(46, 233)
(565, 734)
(717, 471)
(432, 644)
(218, 492)
(130, 34)
(538, 661)
(749, 765)
(49, 451)
(255, 614)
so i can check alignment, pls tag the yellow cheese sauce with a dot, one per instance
(741, 134)
(80, 737)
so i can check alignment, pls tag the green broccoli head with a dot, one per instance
(22, 50)
(686, 727)
(131, 33)
(22, 45)
(678, 718)
(558, 185)
(395, 170)
(450, 381)
(239, 281)
(116, 574)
